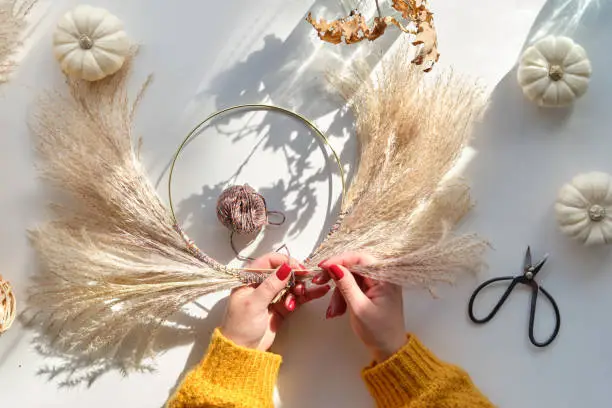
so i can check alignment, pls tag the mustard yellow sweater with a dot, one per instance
(230, 376)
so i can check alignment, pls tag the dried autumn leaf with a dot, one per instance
(327, 31)
(391, 20)
(377, 29)
(428, 54)
(353, 29)
(407, 8)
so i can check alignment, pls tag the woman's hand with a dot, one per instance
(250, 320)
(375, 308)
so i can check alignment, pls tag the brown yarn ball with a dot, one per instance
(242, 209)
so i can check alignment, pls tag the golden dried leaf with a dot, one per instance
(327, 31)
(377, 29)
(428, 54)
(391, 20)
(353, 29)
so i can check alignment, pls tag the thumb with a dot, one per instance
(267, 291)
(345, 281)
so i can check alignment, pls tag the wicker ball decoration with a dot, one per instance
(8, 305)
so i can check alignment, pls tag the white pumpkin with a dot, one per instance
(90, 43)
(554, 71)
(584, 208)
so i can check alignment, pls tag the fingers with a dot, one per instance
(299, 289)
(313, 293)
(273, 260)
(290, 302)
(348, 259)
(272, 285)
(347, 286)
(321, 278)
(337, 305)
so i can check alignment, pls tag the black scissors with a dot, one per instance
(527, 278)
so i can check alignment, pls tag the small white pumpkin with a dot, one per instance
(554, 71)
(584, 208)
(90, 43)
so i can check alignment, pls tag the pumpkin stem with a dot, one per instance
(555, 72)
(597, 213)
(86, 42)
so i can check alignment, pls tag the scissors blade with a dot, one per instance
(527, 261)
(539, 266)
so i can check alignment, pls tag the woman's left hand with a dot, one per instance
(250, 320)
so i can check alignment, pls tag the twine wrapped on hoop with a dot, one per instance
(8, 305)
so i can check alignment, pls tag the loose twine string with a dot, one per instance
(256, 215)
(8, 305)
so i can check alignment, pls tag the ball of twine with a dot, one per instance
(8, 305)
(242, 210)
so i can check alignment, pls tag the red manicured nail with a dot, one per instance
(322, 264)
(316, 279)
(283, 272)
(328, 313)
(336, 272)
(291, 305)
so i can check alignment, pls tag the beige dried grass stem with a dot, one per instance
(398, 207)
(8, 305)
(12, 23)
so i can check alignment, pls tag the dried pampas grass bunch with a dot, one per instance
(12, 23)
(116, 266)
(401, 205)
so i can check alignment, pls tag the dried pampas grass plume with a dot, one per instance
(400, 207)
(113, 264)
(12, 23)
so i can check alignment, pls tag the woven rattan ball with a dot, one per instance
(7, 305)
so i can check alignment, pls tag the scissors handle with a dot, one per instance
(534, 298)
(499, 304)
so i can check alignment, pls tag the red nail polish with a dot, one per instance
(283, 272)
(328, 313)
(336, 272)
(291, 305)
(321, 264)
(302, 267)
(316, 279)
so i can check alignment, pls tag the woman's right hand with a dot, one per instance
(375, 308)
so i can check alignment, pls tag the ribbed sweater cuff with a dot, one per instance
(399, 379)
(246, 371)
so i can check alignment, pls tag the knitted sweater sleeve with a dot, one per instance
(414, 377)
(229, 376)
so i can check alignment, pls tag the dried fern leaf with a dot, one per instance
(12, 23)
(113, 264)
(399, 207)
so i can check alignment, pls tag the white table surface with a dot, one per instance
(207, 55)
